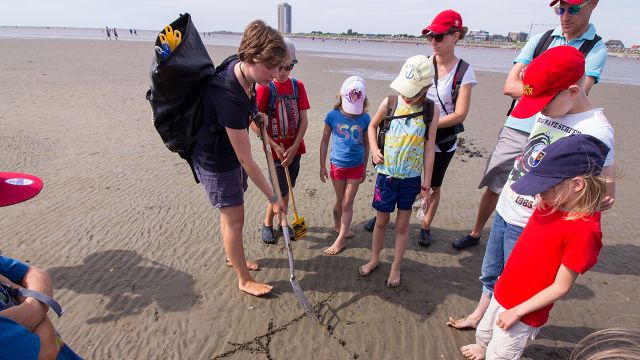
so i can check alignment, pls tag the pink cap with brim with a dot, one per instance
(18, 187)
(353, 93)
(572, 2)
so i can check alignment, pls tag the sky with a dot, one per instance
(614, 19)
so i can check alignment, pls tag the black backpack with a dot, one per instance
(545, 42)
(178, 84)
(449, 134)
(392, 103)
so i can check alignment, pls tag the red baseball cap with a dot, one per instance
(572, 2)
(444, 21)
(18, 187)
(553, 71)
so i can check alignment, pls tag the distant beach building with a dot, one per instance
(478, 35)
(284, 18)
(617, 44)
(518, 36)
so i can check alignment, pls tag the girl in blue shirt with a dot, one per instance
(347, 125)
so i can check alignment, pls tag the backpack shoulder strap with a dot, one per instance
(392, 103)
(588, 45)
(273, 93)
(543, 43)
(435, 67)
(427, 116)
(461, 70)
(294, 84)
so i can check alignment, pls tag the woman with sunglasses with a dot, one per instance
(451, 91)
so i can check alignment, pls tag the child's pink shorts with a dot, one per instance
(353, 173)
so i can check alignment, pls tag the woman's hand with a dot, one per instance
(425, 195)
(278, 207)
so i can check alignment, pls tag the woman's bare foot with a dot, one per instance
(474, 351)
(349, 235)
(467, 322)
(250, 265)
(335, 249)
(254, 288)
(393, 280)
(367, 268)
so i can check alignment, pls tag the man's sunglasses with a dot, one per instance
(437, 37)
(286, 68)
(572, 10)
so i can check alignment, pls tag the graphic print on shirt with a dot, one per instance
(404, 144)
(529, 155)
(347, 132)
(285, 124)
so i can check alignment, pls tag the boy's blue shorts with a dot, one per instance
(391, 191)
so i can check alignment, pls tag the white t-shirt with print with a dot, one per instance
(444, 91)
(516, 209)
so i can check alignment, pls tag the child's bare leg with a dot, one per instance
(268, 216)
(339, 186)
(433, 208)
(484, 333)
(401, 241)
(351, 189)
(472, 320)
(382, 220)
(232, 219)
(47, 334)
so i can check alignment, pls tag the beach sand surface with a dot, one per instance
(135, 250)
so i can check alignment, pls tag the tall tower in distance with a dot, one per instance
(284, 18)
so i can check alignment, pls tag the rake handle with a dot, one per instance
(293, 198)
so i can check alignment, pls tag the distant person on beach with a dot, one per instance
(402, 139)
(130, 31)
(115, 33)
(451, 92)
(561, 241)
(108, 33)
(346, 125)
(285, 102)
(574, 30)
(135, 32)
(223, 160)
(554, 88)
(26, 332)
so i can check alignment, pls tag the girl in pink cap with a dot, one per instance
(347, 123)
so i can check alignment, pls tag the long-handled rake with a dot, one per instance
(297, 290)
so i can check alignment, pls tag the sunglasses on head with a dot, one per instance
(437, 37)
(572, 10)
(286, 67)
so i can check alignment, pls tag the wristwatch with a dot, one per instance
(425, 188)
(273, 199)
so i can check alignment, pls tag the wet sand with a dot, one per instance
(135, 251)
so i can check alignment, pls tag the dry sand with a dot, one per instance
(135, 251)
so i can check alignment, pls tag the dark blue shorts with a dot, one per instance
(225, 188)
(294, 170)
(391, 191)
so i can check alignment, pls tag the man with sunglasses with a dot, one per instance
(574, 30)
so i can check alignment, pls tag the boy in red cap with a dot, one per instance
(553, 85)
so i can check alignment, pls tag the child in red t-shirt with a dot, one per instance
(561, 240)
(285, 102)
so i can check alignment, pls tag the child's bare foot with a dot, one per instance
(393, 280)
(367, 268)
(349, 235)
(335, 249)
(467, 322)
(254, 288)
(250, 265)
(474, 351)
